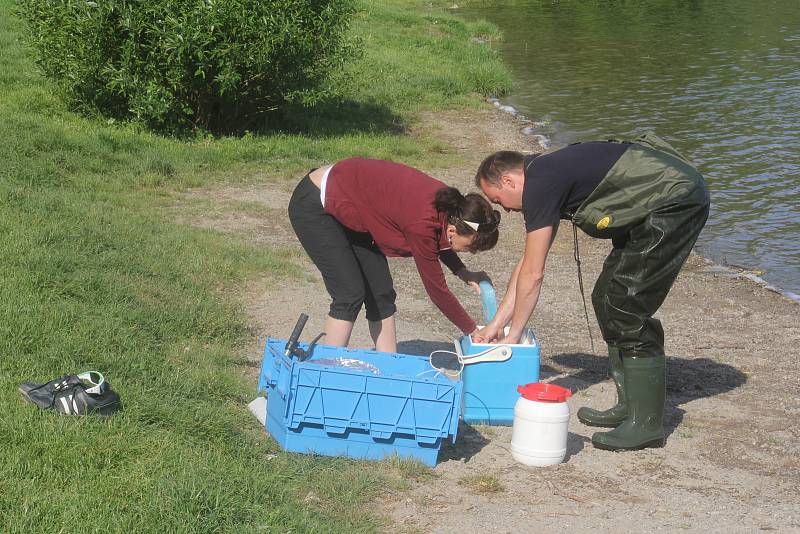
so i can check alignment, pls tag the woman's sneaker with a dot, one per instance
(83, 394)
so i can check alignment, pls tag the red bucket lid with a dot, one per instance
(539, 392)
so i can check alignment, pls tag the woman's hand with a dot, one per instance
(487, 334)
(473, 278)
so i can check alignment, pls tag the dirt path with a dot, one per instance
(732, 459)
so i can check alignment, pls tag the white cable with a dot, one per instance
(462, 361)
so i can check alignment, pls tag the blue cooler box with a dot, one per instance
(490, 388)
(358, 403)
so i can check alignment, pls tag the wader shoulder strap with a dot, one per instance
(649, 139)
(653, 141)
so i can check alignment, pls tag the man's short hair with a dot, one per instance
(498, 164)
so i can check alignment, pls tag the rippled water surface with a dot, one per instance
(718, 79)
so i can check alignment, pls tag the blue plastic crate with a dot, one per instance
(490, 388)
(389, 404)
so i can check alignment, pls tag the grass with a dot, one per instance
(481, 483)
(400, 474)
(94, 276)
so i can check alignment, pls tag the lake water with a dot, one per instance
(718, 79)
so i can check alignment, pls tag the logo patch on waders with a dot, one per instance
(603, 223)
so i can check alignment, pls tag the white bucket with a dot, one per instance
(541, 417)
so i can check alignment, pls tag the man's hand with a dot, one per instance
(510, 339)
(473, 278)
(487, 334)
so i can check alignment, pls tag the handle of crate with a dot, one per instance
(291, 344)
(282, 382)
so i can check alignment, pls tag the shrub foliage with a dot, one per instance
(219, 65)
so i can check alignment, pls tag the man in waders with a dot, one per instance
(652, 203)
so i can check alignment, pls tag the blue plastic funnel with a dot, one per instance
(488, 300)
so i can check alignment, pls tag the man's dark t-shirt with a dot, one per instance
(560, 181)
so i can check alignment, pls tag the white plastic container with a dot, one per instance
(541, 416)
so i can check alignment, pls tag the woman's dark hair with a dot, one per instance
(466, 212)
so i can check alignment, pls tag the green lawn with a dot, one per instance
(93, 276)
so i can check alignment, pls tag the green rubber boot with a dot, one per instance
(645, 388)
(615, 415)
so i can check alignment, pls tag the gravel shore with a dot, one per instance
(732, 458)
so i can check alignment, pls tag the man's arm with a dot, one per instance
(534, 245)
(529, 280)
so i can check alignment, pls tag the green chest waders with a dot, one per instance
(652, 203)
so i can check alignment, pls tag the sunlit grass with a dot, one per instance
(94, 275)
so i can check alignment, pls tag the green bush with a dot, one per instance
(218, 65)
